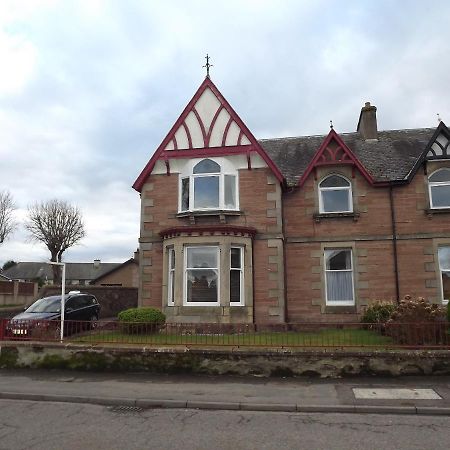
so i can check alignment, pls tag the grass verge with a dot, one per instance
(321, 338)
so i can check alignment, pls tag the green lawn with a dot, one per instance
(322, 338)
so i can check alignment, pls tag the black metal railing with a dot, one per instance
(434, 335)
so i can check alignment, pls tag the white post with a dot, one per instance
(63, 290)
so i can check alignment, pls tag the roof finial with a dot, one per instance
(439, 118)
(207, 65)
(331, 124)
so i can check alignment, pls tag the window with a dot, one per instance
(236, 276)
(171, 278)
(339, 277)
(439, 187)
(444, 268)
(208, 187)
(335, 195)
(202, 275)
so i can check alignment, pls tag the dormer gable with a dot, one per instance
(439, 145)
(208, 126)
(334, 151)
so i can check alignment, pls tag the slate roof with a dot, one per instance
(390, 158)
(74, 271)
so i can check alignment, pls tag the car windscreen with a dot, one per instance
(49, 305)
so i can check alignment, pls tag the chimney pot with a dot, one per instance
(367, 123)
(96, 263)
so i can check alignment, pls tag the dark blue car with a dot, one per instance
(42, 318)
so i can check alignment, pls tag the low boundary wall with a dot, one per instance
(239, 361)
(17, 293)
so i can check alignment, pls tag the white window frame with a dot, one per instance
(170, 276)
(441, 281)
(241, 277)
(226, 170)
(185, 269)
(338, 188)
(351, 270)
(437, 184)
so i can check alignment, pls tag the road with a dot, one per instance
(46, 426)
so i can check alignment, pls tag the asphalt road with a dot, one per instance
(67, 426)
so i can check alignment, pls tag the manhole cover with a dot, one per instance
(396, 394)
(125, 409)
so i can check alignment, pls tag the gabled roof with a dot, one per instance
(74, 271)
(390, 158)
(208, 126)
(115, 269)
(439, 145)
(4, 278)
(334, 151)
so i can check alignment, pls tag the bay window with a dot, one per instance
(208, 187)
(202, 275)
(236, 276)
(339, 277)
(171, 277)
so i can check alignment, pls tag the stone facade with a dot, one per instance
(389, 233)
(260, 210)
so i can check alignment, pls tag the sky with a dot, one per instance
(88, 89)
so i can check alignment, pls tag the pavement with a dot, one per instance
(402, 395)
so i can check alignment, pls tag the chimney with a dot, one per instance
(367, 123)
(96, 263)
(136, 255)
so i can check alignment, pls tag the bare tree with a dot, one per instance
(7, 223)
(58, 225)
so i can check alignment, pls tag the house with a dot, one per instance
(124, 275)
(313, 228)
(76, 273)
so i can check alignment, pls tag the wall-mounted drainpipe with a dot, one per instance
(253, 282)
(394, 243)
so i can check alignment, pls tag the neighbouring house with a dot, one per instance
(115, 274)
(125, 274)
(292, 229)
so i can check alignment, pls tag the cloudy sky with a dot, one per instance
(88, 89)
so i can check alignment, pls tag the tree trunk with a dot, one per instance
(56, 269)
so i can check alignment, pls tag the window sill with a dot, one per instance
(430, 212)
(222, 213)
(320, 216)
(340, 309)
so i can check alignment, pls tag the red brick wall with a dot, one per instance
(257, 197)
(371, 235)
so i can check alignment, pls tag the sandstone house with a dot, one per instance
(312, 228)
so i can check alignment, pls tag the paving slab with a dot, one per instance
(396, 394)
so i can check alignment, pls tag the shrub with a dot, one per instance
(141, 320)
(378, 312)
(417, 322)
